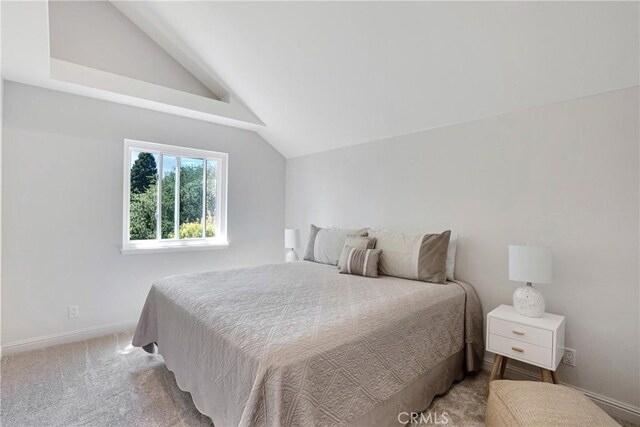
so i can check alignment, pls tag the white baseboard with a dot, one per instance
(613, 407)
(65, 337)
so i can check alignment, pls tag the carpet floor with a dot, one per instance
(106, 382)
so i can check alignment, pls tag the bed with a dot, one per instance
(300, 344)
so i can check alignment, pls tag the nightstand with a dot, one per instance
(537, 341)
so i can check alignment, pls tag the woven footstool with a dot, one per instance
(539, 404)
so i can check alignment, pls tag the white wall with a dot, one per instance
(1, 113)
(96, 34)
(564, 175)
(62, 209)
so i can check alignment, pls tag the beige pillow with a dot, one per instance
(413, 256)
(357, 242)
(325, 244)
(361, 262)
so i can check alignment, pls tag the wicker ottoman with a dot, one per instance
(529, 403)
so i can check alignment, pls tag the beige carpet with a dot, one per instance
(106, 382)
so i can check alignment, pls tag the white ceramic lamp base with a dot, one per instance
(528, 301)
(291, 256)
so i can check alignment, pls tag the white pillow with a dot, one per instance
(325, 244)
(451, 257)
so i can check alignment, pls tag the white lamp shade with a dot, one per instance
(529, 264)
(291, 238)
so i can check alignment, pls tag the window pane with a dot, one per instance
(168, 200)
(143, 199)
(191, 203)
(210, 225)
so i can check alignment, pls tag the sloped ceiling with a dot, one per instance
(322, 75)
(328, 75)
(97, 35)
(92, 49)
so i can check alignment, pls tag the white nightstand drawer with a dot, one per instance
(520, 332)
(519, 350)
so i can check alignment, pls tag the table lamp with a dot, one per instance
(529, 264)
(291, 241)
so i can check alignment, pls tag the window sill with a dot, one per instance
(153, 249)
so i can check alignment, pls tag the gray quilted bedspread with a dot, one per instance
(301, 344)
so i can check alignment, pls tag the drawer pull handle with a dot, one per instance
(518, 349)
(518, 332)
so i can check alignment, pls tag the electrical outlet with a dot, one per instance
(73, 311)
(569, 357)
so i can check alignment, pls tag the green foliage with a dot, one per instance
(193, 230)
(210, 226)
(168, 204)
(143, 203)
(191, 193)
(211, 188)
(190, 230)
(142, 215)
(142, 212)
(143, 173)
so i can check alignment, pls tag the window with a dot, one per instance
(174, 198)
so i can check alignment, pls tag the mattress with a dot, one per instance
(301, 344)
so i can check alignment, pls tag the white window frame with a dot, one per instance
(176, 244)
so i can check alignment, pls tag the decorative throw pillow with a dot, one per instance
(451, 257)
(362, 262)
(413, 256)
(358, 243)
(325, 244)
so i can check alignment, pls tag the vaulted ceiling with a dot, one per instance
(328, 75)
(325, 75)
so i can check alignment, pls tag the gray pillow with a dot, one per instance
(325, 244)
(358, 243)
(451, 257)
(413, 256)
(362, 262)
